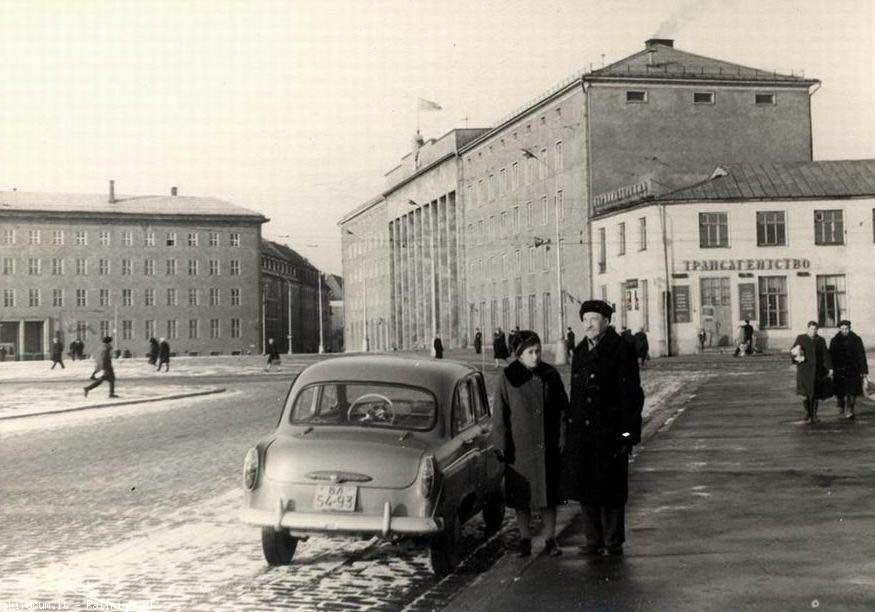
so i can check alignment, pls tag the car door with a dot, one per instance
(490, 468)
(464, 445)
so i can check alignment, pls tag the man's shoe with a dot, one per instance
(114, 395)
(525, 548)
(590, 551)
(614, 551)
(551, 549)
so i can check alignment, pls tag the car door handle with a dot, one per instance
(469, 441)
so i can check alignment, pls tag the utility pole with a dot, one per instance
(321, 343)
(289, 337)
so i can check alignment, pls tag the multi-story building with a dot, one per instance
(132, 267)
(290, 300)
(335, 288)
(526, 189)
(777, 244)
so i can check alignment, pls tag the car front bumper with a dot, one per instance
(329, 522)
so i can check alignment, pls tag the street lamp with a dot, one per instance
(561, 349)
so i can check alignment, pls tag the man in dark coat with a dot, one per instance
(153, 351)
(273, 354)
(604, 423)
(163, 355)
(813, 370)
(642, 347)
(513, 339)
(438, 348)
(478, 340)
(57, 353)
(745, 339)
(499, 347)
(570, 341)
(103, 366)
(849, 367)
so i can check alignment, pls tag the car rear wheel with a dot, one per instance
(493, 512)
(444, 547)
(278, 546)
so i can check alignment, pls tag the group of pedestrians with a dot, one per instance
(555, 448)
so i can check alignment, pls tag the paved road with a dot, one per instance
(734, 506)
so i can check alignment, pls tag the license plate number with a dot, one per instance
(336, 498)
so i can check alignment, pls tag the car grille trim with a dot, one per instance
(338, 477)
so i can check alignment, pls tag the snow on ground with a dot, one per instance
(660, 385)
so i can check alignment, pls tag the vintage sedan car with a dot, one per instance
(376, 446)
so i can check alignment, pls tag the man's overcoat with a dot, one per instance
(849, 364)
(812, 375)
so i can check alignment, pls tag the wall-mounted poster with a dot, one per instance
(681, 303)
(747, 301)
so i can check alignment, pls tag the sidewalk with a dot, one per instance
(733, 505)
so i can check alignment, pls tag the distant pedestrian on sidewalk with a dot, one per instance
(604, 424)
(849, 367)
(570, 341)
(478, 340)
(527, 430)
(163, 355)
(438, 348)
(745, 339)
(702, 336)
(499, 348)
(153, 351)
(642, 347)
(813, 370)
(57, 353)
(273, 355)
(103, 363)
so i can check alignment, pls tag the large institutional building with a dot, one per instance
(494, 227)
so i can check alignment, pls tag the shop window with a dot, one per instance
(829, 227)
(703, 97)
(621, 239)
(771, 228)
(773, 302)
(636, 96)
(642, 234)
(831, 300)
(713, 230)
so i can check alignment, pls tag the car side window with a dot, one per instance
(481, 406)
(463, 413)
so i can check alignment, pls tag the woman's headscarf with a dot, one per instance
(525, 339)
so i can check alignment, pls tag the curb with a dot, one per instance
(111, 404)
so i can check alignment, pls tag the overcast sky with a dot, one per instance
(296, 109)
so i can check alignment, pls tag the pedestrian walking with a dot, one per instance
(2, 353)
(71, 351)
(478, 341)
(57, 353)
(604, 423)
(642, 347)
(570, 340)
(438, 348)
(499, 348)
(153, 351)
(103, 365)
(163, 355)
(813, 370)
(273, 355)
(850, 370)
(530, 403)
(745, 339)
(512, 339)
(702, 337)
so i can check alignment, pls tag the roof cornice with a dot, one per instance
(102, 215)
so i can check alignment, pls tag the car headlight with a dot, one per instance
(250, 469)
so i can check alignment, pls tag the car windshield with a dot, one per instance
(365, 405)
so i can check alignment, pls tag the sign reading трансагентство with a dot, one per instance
(742, 265)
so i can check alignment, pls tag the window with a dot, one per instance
(171, 297)
(127, 329)
(81, 238)
(149, 329)
(148, 297)
(773, 302)
(192, 239)
(128, 238)
(34, 266)
(235, 297)
(532, 308)
(215, 330)
(516, 219)
(530, 214)
(621, 239)
(8, 237)
(703, 97)
(170, 238)
(545, 338)
(171, 267)
(235, 328)
(214, 267)
(150, 238)
(235, 239)
(127, 297)
(544, 211)
(33, 297)
(193, 267)
(9, 298)
(713, 230)
(58, 298)
(515, 175)
(831, 300)
(502, 181)
(771, 228)
(636, 96)
(463, 411)
(214, 239)
(81, 297)
(235, 267)
(828, 227)
(560, 205)
(642, 234)
(517, 261)
(149, 267)
(126, 267)
(214, 296)
(8, 266)
(81, 267)
(33, 236)
(103, 267)
(57, 266)
(193, 329)
(559, 162)
(193, 297)
(171, 329)
(543, 164)
(603, 251)
(764, 99)
(104, 328)
(103, 297)
(103, 237)
(58, 237)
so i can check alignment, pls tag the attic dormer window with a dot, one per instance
(765, 99)
(636, 96)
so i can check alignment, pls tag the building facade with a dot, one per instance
(776, 244)
(88, 266)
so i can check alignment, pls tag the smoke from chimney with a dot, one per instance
(683, 15)
(112, 192)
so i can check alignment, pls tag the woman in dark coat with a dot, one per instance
(478, 341)
(438, 348)
(527, 429)
(813, 369)
(849, 367)
(499, 347)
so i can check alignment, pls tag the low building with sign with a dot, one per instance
(779, 244)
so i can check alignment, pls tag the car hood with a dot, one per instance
(367, 458)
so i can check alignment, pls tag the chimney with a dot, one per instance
(666, 42)
(112, 192)
(173, 191)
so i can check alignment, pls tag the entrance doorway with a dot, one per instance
(716, 311)
(33, 340)
(9, 339)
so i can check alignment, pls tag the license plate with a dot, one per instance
(336, 498)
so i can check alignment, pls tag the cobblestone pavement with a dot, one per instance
(140, 504)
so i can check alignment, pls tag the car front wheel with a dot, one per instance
(444, 547)
(278, 546)
(493, 512)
